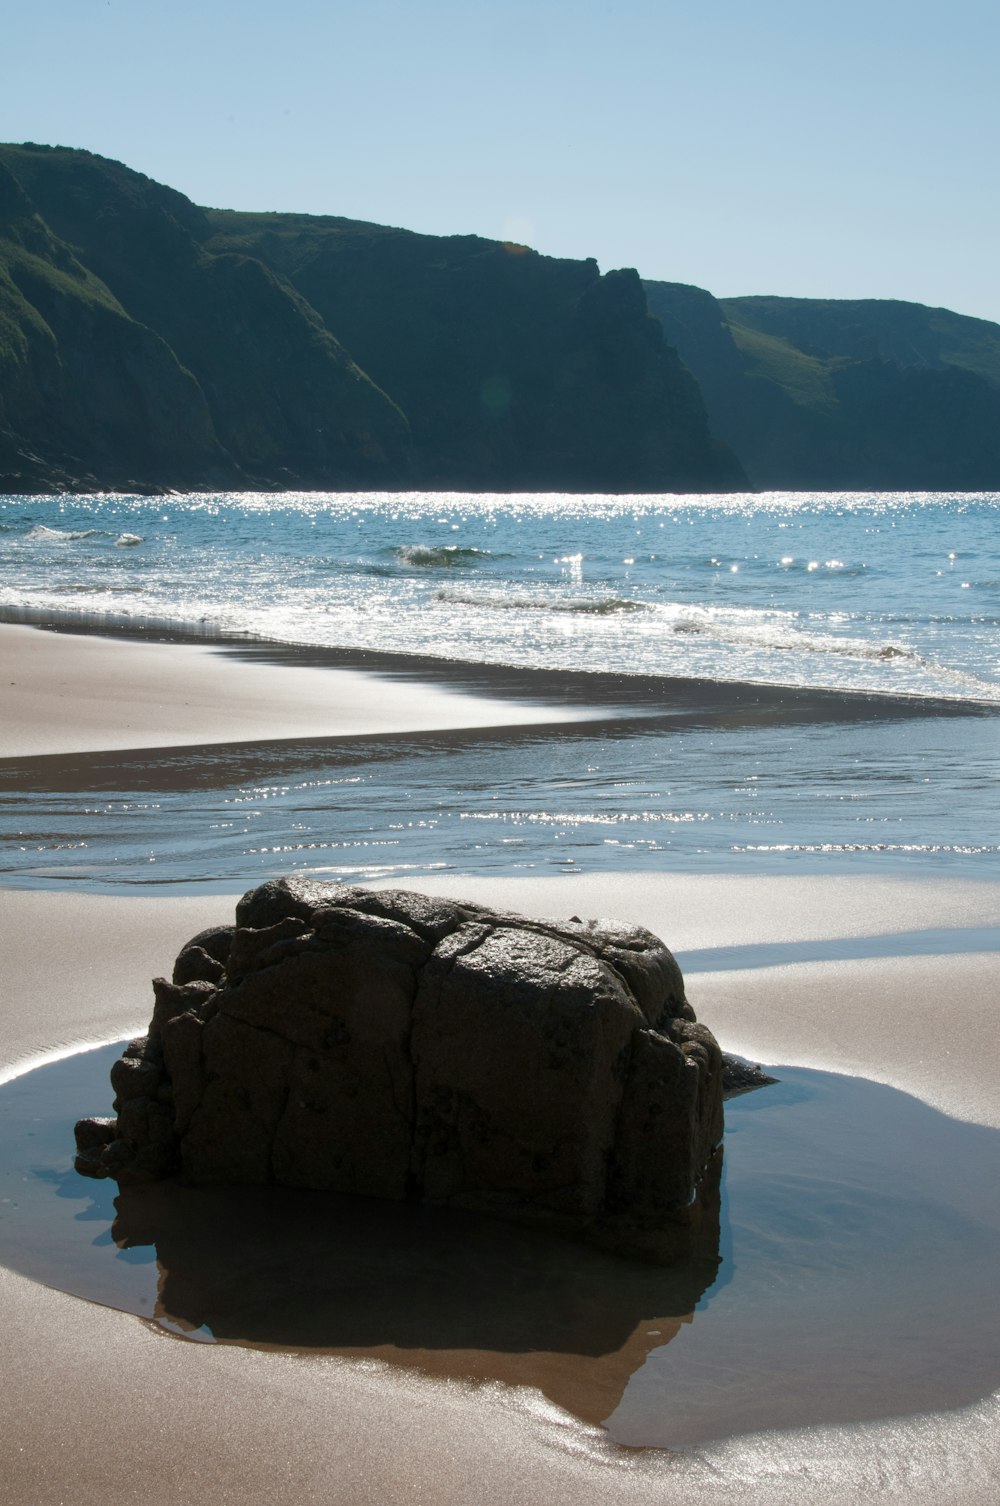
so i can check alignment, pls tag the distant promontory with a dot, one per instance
(147, 343)
(843, 394)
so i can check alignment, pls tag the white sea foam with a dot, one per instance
(587, 606)
(776, 631)
(42, 534)
(438, 556)
(643, 584)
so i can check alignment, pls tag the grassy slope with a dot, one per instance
(804, 379)
(814, 393)
(285, 400)
(909, 334)
(87, 393)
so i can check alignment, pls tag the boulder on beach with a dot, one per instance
(408, 1047)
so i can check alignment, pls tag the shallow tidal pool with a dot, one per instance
(856, 1273)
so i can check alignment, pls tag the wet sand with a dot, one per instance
(247, 1425)
(72, 693)
(98, 1406)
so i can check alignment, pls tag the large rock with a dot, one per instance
(408, 1047)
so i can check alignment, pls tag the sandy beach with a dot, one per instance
(98, 1405)
(72, 693)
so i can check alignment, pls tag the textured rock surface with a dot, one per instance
(408, 1047)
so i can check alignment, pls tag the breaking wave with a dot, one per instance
(779, 633)
(42, 534)
(772, 631)
(702, 590)
(439, 556)
(603, 606)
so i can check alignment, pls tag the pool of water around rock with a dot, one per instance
(858, 1262)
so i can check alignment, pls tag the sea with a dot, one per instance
(760, 682)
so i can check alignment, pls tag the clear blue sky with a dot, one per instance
(819, 148)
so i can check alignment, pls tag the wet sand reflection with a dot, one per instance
(440, 1290)
(858, 1233)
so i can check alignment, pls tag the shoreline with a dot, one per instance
(669, 695)
(251, 1426)
(170, 493)
(69, 693)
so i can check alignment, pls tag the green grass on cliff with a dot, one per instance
(17, 318)
(37, 272)
(907, 334)
(31, 287)
(805, 379)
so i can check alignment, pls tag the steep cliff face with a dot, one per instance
(614, 374)
(515, 370)
(88, 396)
(145, 341)
(286, 403)
(855, 394)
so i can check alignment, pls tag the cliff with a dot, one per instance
(830, 394)
(273, 399)
(87, 396)
(515, 370)
(145, 342)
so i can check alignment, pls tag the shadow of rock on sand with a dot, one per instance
(860, 1245)
(860, 1261)
(443, 1291)
(440, 1290)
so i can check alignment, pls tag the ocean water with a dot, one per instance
(892, 592)
(767, 680)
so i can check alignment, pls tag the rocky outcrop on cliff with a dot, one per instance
(413, 1048)
(515, 370)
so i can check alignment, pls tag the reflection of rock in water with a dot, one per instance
(444, 1291)
(426, 1049)
(859, 1240)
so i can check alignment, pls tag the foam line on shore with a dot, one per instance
(23, 1065)
(555, 687)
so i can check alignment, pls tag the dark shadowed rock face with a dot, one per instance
(408, 1047)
